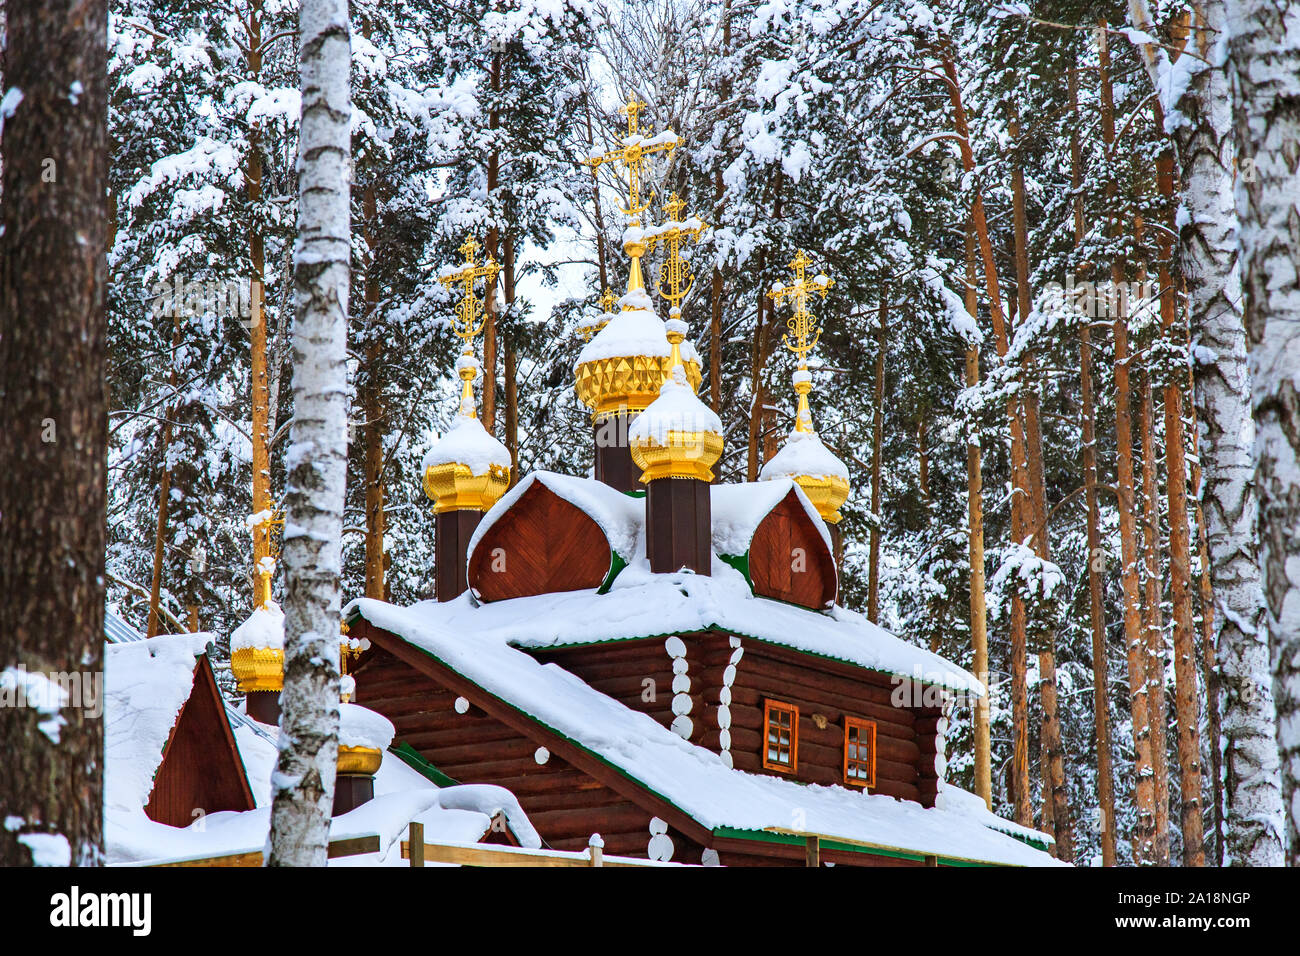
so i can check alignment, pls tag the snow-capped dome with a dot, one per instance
(815, 468)
(467, 443)
(467, 468)
(257, 650)
(362, 727)
(625, 362)
(677, 435)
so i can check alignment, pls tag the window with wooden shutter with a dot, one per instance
(859, 752)
(781, 736)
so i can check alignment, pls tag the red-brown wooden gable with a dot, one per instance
(788, 558)
(201, 768)
(545, 543)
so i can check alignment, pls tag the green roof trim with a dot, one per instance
(616, 564)
(827, 843)
(415, 760)
(741, 563)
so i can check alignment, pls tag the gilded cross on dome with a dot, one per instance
(804, 329)
(675, 277)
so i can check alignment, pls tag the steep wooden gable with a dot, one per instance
(542, 544)
(789, 559)
(201, 769)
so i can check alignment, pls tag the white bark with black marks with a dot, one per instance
(1208, 253)
(303, 784)
(1264, 74)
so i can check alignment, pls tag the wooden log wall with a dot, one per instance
(905, 736)
(563, 803)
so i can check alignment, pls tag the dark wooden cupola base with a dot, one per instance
(452, 532)
(351, 790)
(679, 525)
(614, 465)
(264, 706)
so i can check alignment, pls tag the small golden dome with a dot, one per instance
(677, 436)
(258, 668)
(360, 760)
(467, 469)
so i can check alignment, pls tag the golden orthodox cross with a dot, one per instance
(804, 330)
(632, 155)
(675, 277)
(470, 313)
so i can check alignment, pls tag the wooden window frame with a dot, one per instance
(771, 705)
(859, 724)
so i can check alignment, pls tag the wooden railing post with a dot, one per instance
(814, 852)
(417, 844)
(597, 848)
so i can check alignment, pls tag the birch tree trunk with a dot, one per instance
(54, 438)
(1264, 74)
(1208, 257)
(303, 783)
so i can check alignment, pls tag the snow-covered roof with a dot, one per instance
(146, 684)
(641, 604)
(693, 779)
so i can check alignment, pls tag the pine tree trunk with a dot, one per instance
(1096, 605)
(303, 783)
(489, 413)
(1153, 629)
(1143, 786)
(511, 366)
(877, 442)
(1054, 781)
(260, 398)
(1019, 648)
(372, 405)
(1186, 690)
(153, 626)
(54, 440)
(758, 395)
(1207, 240)
(715, 291)
(975, 519)
(1263, 66)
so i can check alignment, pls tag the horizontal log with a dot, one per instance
(558, 824)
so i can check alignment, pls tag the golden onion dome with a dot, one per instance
(677, 436)
(629, 358)
(807, 460)
(467, 469)
(257, 650)
(364, 735)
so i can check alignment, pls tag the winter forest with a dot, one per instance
(1060, 354)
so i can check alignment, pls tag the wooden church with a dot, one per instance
(656, 657)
